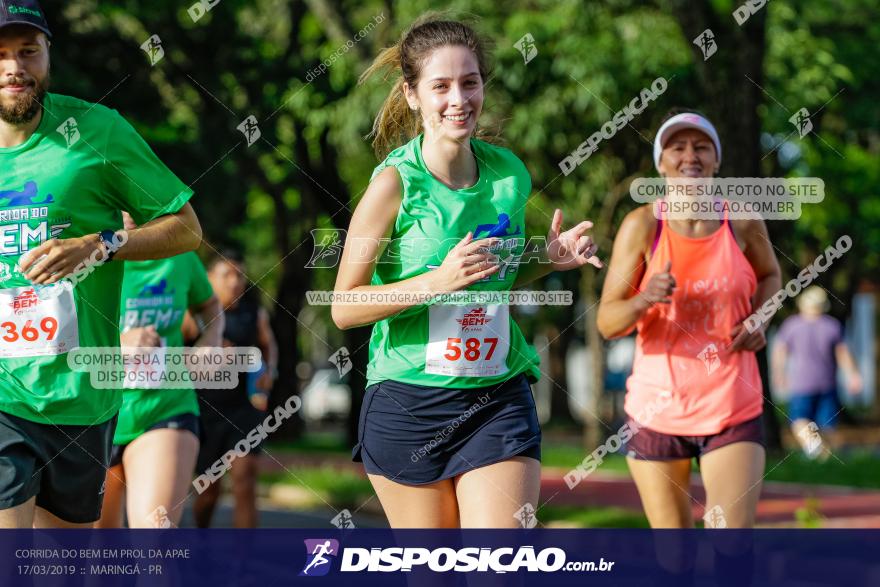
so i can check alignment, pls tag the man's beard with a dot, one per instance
(24, 108)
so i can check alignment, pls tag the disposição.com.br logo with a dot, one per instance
(321, 552)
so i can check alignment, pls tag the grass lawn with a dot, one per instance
(857, 468)
(592, 517)
(853, 469)
(313, 443)
(345, 489)
(341, 489)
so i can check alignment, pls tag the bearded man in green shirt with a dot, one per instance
(69, 168)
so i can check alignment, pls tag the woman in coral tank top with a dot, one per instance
(686, 285)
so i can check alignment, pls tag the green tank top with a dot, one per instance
(453, 345)
(158, 293)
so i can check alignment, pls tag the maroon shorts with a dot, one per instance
(650, 445)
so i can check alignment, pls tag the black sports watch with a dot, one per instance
(108, 238)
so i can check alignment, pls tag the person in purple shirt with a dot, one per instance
(808, 350)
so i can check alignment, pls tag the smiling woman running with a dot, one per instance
(687, 285)
(448, 430)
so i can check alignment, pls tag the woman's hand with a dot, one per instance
(266, 381)
(260, 400)
(854, 383)
(571, 249)
(467, 262)
(659, 289)
(780, 382)
(140, 337)
(743, 340)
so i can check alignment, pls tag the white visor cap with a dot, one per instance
(681, 122)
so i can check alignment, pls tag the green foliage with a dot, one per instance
(809, 516)
(579, 517)
(313, 163)
(340, 489)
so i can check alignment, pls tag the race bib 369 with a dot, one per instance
(33, 325)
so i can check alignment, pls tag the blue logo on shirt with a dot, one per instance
(25, 197)
(156, 290)
(502, 228)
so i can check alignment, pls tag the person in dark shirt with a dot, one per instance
(229, 415)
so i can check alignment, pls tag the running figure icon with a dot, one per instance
(318, 555)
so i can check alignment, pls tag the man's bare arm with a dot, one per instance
(166, 236)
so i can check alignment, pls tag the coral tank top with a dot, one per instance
(684, 381)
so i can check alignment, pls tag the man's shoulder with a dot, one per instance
(63, 106)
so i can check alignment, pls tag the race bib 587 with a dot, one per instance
(468, 340)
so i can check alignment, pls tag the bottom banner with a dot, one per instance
(268, 558)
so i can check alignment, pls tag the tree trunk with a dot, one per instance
(732, 82)
(590, 292)
(357, 342)
(284, 323)
(593, 427)
(560, 412)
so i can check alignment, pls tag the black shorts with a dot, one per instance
(63, 466)
(416, 435)
(188, 421)
(650, 445)
(223, 426)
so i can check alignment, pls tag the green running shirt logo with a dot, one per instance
(24, 220)
(25, 197)
(501, 228)
(13, 9)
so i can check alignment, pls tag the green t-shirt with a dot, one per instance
(453, 345)
(158, 293)
(71, 178)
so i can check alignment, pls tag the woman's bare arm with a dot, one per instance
(619, 307)
(759, 253)
(373, 221)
